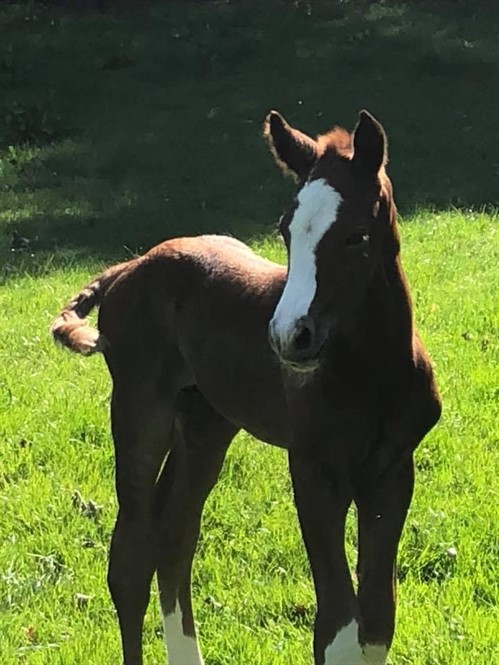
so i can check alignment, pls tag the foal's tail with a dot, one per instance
(71, 329)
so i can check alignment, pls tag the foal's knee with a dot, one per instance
(132, 557)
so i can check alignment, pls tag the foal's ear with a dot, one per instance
(292, 149)
(369, 143)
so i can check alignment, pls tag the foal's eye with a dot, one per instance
(357, 237)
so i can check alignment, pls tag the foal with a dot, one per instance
(203, 338)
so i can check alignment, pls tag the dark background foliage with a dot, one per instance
(127, 122)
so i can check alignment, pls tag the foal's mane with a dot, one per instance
(336, 140)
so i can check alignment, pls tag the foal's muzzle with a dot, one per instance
(299, 347)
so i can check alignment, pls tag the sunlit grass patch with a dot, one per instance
(252, 588)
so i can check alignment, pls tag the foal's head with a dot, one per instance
(336, 234)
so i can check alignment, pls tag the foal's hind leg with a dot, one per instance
(142, 417)
(202, 437)
(382, 508)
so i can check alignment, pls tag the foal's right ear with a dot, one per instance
(369, 143)
(293, 150)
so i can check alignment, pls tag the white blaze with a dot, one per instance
(316, 212)
(346, 650)
(181, 649)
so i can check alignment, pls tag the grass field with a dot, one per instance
(122, 129)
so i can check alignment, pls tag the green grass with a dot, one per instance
(148, 127)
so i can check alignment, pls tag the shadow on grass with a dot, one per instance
(123, 130)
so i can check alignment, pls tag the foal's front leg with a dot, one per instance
(322, 496)
(382, 505)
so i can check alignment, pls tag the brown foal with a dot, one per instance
(203, 338)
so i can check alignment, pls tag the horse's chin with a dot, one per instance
(301, 368)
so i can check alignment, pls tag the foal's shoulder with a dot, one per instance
(424, 393)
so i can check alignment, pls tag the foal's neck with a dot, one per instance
(384, 326)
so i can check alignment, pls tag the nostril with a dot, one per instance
(294, 343)
(303, 339)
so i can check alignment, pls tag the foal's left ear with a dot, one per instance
(293, 150)
(369, 143)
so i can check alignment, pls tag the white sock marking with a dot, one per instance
(181, 649)
(374, 654)
(346, 650)
(316, 212)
